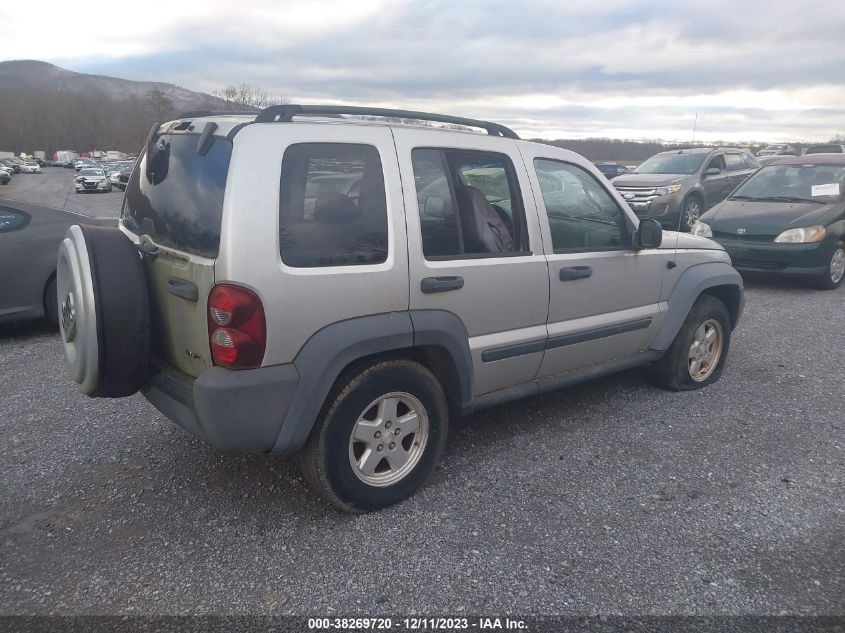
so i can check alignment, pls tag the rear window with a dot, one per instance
(177, 199)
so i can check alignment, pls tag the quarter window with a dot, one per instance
(582, 214)
(469, 204)
(11, 220)
(333, 208)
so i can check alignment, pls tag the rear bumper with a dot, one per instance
(235, 410)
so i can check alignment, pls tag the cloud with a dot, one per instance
(754, 69)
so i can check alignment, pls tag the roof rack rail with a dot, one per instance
(193, 114)
(286, 112)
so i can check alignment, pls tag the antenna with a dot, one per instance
(694, 124)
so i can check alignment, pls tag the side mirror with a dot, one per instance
(712, 171)
(650, 234)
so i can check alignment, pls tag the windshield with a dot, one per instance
(794, 183)
(671, 164)
(91, 172)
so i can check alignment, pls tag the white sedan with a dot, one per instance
(30, 167)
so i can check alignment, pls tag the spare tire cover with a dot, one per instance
(104, 312)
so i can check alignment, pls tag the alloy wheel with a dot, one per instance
(837, 265)
(705, 350)
(693, 210)
(388, 439)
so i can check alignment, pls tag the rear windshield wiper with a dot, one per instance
(790, 199)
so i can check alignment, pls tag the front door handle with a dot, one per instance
(575, 272)
(430, 285)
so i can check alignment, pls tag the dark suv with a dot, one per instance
(677, 186)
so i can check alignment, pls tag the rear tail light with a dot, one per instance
(236, 327)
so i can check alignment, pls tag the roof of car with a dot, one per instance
(699, 150)
(229, 122)
(813, 159)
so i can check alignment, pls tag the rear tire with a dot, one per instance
(395, 409)
(51, 303)
(698, 354)
(833, 275)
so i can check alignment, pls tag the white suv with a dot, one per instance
(302, 281)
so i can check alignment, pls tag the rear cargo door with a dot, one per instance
(173, 209)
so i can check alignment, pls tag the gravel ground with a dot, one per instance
(54, 187)
(609, 497)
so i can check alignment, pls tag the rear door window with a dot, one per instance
(333, 207)
(469, 203)
(175, 195)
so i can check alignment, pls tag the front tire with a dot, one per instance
(834, 273)
(378, 438)
(690, 212)
(697, 356)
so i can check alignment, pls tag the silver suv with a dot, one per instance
(305, 282)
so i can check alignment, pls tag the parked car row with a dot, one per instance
(101, 176)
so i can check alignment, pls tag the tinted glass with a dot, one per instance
(333, 208)
(438, 223)
(176, 196)
(735, 162)
(824, 183)
(671, 164)
(11, 220)
(91, 172)
(582, 215)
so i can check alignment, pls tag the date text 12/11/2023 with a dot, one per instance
(417, 624)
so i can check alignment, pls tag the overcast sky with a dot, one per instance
(752, 70)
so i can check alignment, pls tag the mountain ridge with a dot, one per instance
(47, 107)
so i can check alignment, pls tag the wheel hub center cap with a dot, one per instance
(68, 317)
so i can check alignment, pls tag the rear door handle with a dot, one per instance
(430, 285)
(575, 272)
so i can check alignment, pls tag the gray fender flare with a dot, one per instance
(325, 355)
(691, 284)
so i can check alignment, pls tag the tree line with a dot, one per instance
(38, 118)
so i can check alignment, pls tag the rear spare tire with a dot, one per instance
(104, 311)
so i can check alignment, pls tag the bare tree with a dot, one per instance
(160, 102)
(246, 96)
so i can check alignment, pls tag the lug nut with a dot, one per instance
(392, 445)
(378, 434)
(396, 432)
(380, 448)
(387, 425)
